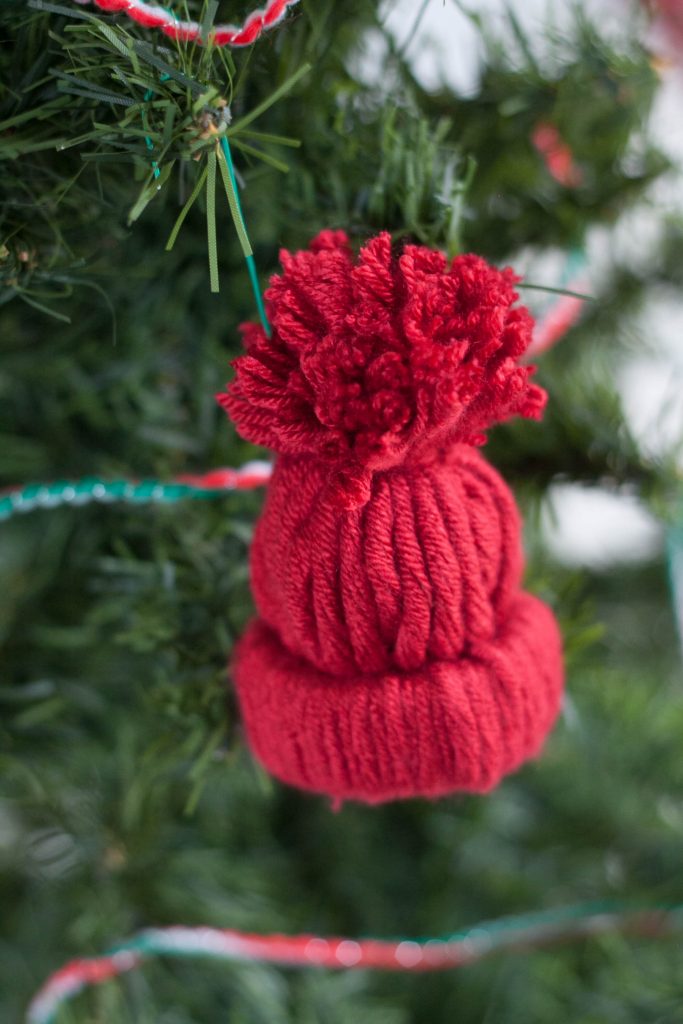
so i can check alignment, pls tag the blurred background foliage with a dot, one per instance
(127, 795)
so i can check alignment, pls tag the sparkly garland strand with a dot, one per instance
(94, 489)
(557, 321)
(152, 16)
(674, 546)
(557, 155)
(565, 310)
(512, 934)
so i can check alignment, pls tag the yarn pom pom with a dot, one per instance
(379, 360)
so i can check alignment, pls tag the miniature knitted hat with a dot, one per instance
(394, 653)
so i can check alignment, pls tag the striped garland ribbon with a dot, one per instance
(509, 934)
(94, 489)
(556, 322)
(674, 544)
(153, 16)
(565, 310)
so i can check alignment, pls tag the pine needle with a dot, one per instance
(211, 220)
(186, 209)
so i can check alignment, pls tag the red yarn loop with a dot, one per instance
(394, 653)
(378, 360)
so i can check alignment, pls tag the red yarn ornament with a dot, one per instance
(394, 653)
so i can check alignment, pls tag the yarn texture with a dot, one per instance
(394, 653)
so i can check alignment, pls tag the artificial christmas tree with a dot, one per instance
(128, 797)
